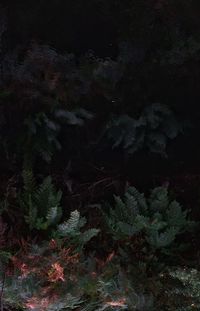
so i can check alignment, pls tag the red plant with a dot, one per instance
(56, 273)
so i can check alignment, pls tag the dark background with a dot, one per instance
(164, 35)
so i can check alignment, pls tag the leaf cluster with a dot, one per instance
(152, 130)
(157, 219)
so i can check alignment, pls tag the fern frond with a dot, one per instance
(70, 226)
(54, 215)
(68, 302)
(158, 200)
(29, 181)
(89, 234)
(162, 240)
(41, 204)
(152, 130)
(31, 218)
(156, 218)
(139, 197)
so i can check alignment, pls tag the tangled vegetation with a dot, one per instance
(99, 161)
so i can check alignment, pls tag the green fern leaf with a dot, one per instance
(159, 200)
(161, 240)
(89, 234)
(29, 181)
(70, 226)
(54, 215)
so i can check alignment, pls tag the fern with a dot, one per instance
(41, 205)
(42, 131)
(158, 199)
(72, 230)
(18, 289)
(71, 226)
(29, 182)
(88, 235)
(76, 117)
(161, 240)
(53, 215)
(66, 303)
(42, 137)
(155, 127)
(183, 289)
(158, 218)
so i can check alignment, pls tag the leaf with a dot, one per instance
(71, 225)
(70, 117)
(42, 202)
(159, 200)
(126, 229)
(84, 114)
(160, 240)
(54, 215)
(89, 234)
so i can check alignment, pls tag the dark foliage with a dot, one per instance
(99, 97)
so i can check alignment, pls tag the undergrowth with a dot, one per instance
(58, 273)
(72, 123)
